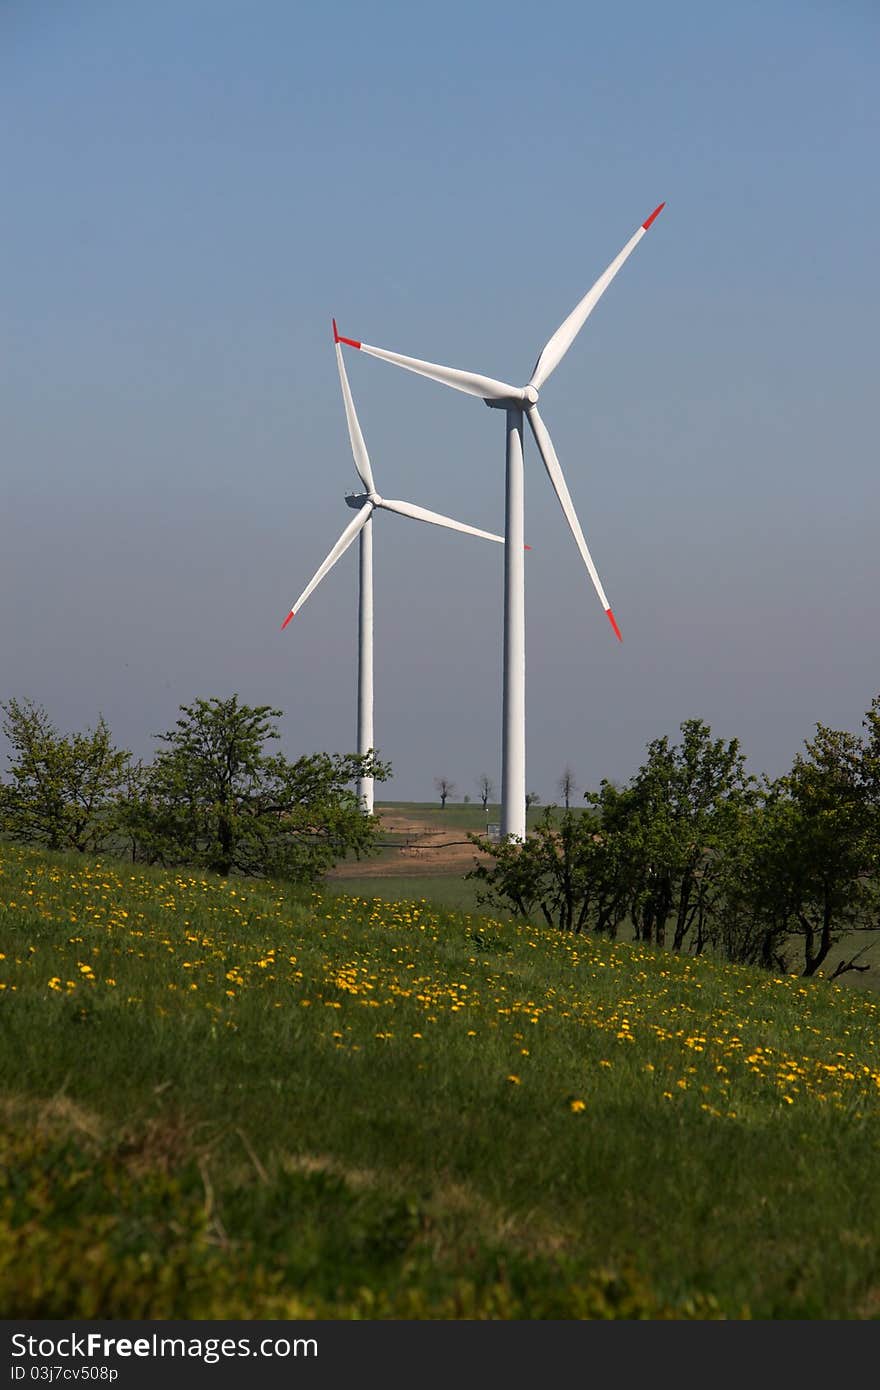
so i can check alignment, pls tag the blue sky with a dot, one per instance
(194, 188)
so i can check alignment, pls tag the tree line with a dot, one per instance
(697, 855)
(214, 797)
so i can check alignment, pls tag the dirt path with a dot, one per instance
(426, 848)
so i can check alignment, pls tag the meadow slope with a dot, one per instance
(227, 1098)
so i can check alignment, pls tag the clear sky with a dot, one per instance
(193, 187)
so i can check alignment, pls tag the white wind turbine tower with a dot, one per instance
(365, 504)
(516, 400)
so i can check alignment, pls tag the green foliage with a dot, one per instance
(679, 816)
(64, 791)
(651, 852)
(805, 867)
(565, 870)
(215, 798)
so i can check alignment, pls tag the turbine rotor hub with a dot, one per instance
(530, 394)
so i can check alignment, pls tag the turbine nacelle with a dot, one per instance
(356, 500)
(525, 397)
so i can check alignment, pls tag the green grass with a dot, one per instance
(440, 890)
(224, 1099)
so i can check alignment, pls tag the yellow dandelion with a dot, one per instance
(576, 1106)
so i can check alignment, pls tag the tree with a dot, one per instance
(487, 789)
(871, 770)
(64, 791)
(651, 851)
(567, 871)
(806, 869)
(445, 789)
(567, 786)
(532, 799)
(215, 798)
(751, 924)
(679, 815)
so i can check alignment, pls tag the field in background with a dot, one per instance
(455, 813)
(420, 840)
(226, 1099)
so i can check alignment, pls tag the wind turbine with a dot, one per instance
(365, 504)
(515, 401)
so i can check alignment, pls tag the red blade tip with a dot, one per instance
(613, 621)
(335, 332)
(528, 547)
(351, 342)
(656, 213)
(287, 619)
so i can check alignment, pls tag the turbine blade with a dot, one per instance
(358, 447)
(356, 524)
(421, 514)
(557, 346)
(554, 472)
(486, 387)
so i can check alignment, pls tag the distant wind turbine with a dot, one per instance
(365, 504)
(516, 400)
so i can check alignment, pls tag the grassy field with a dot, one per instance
(441, 890)
(222, 1098)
